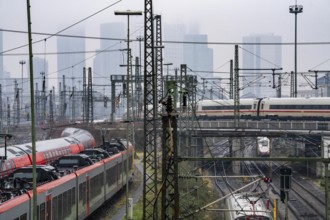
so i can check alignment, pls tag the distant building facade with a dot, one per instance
(40, 70)
(259, 83)
(173, 52)
(1, 58)
(71, 58)
(195, 52)
(198, 57)
(110, 55)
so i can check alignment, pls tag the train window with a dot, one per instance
(82, 193)
(69, 162)
(28, 151)
(8, 165)
(65, 204)
(59, 207)
(111, 178)
(73, 196)
(42, 211)
(28, 146)
(245, 106)
(23, 217)
(54, 208)
(20, 153)
(11, 151)
(96, 182)
(262, 105)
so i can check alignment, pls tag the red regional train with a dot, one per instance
(77, 195)
(72, 141)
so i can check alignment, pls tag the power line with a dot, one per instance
(164, 41)
(56, 34)
(59, 53)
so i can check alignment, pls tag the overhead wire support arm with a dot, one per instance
(272, 69)
(316, 72)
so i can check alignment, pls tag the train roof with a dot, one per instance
(22, 149)
(224, 102)
(306, 100)
(242, 202)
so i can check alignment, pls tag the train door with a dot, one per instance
(258, 107)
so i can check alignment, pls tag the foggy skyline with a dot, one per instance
(223, 22)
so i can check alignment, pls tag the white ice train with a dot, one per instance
(246, 207)
(313, 108)
(263, 146)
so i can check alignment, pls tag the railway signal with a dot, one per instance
(285, 183)
(267, 180)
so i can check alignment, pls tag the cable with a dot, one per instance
(260, 57)
(59, 53)
(320, 64)
(74, 24)
(164, 41)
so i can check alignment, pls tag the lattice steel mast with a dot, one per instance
(150, 208)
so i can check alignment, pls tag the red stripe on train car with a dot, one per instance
(13, 203)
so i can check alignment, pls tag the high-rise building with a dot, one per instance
(198, 57)
(110, 56)
(195, 53)
(71, 57)
(173, 52)
(40, 71)
(259, 83)
(1, 58)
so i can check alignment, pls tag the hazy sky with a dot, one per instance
(223, 21)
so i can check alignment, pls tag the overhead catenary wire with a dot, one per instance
(64, 29)
(164, 41)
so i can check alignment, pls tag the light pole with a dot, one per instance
(128, 13)
(295, 9)
(22, 62)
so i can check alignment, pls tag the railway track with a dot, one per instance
(306, 201)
